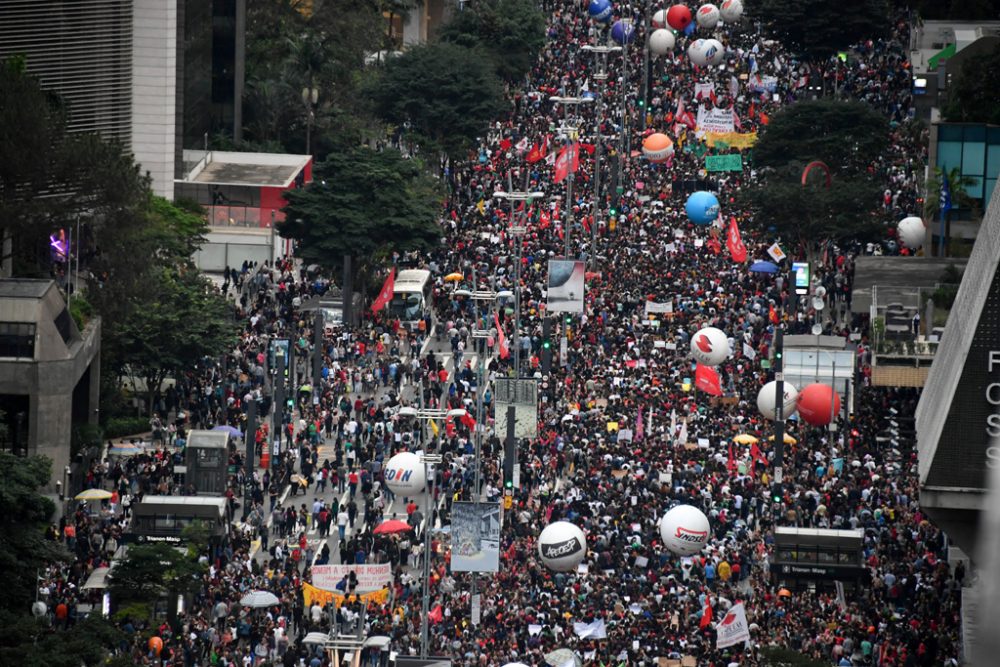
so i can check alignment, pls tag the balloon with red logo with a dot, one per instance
(707, 16)
(657, 147)
(710, 346)
(679, 17)
(404, 474)
(767, 399)
(562, 546)
(817, 404)
(660, 19)
(684, 530)
(731, 10)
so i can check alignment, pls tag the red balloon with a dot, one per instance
(678, 17)
(817, 403)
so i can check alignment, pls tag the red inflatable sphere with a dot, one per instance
(678, 17)
(817, 403)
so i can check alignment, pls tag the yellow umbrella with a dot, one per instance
(454, 277)
(789, 440)
(745, 439)
(93, 494)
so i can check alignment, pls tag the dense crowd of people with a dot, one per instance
(620, 366)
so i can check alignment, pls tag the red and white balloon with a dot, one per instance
(710, 346)
(707, 16)
(767, 400)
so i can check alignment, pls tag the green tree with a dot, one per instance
(49, 177)
(957, 184)
(446, 112)
(150, 571)
(973, 98)
(30, 642)
(848, 137)
(511, 32)
(24, 548)
(820, 29)
(365, 204)
(174, 330)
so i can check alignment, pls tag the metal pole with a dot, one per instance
(428, 524)
(249, 435)
(598, 151)
(645, 71)
(317, 351)
(69, 270)
(279, 403)
(779, 417)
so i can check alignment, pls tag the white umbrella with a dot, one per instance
(315, 638)
(259, 599)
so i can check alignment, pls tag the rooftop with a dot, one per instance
(896, 279)
(23, 288)
(244, 169)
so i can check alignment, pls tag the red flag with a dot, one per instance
(772, 314)
(535, 155)
(714, 245)
(436, 615)
(385, 295)
(544, 220)
(734, 242)
(731, 461)
(589, 148)
(751, 111)
(707, 379)
(706, 617)
(757, 455)
(764, 119)
(505, 144)
(449, 428)
(568, 161)
(468, 420)
(501, 338)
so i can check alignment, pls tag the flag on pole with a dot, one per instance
(776, 253)
(706, 616)
(707, 379)
(449, 427)
(435, 428)
(945, 193)
(734, 242)
(640, 431)
(757, 455)
(522, 145)
(468, 421)
(501, 338)
(535, 155)
(682, 437)
(733, 628)
(772, 314)
(385, 295)
(567, 162)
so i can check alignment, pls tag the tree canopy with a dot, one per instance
(848, 137)
(362, 203)
(973, 97)
(820, 29)
(446, 111)
(511, 32)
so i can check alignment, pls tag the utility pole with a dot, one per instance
(318, 325)
(249, 435)
(571, 133)
(279, 401)
(777, 488)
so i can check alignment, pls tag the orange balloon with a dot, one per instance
(155, 644)
(657, 147)
(784, 593)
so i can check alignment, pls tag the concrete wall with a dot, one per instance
(154, 90)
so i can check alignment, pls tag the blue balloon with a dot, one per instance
(622, 32)
(702, 208)
(600, 10)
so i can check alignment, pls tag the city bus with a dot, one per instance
(411, 296)
(164, 518)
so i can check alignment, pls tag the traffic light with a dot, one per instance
(776, 493)
(642, 103)
(546, 344)
(290, 403)
(509, 485)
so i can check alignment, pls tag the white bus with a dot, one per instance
(411, 296)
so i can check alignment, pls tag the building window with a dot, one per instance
(17, 339)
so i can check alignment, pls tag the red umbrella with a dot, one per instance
(392, 526)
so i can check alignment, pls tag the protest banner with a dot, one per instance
(724, 162)
(371, 576)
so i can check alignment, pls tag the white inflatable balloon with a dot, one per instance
(731, 10)
(661, 42)
(404, 474)
(684, 530)
(714, 51)
(766, 399)
(562, 546)
(660, 19)
(912, 232)
(710, 346)
(697, 52)
(707, 16)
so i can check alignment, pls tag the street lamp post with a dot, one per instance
(424, 415)
(517, 231)
(571, 133)
(601, 76)
(310, 96)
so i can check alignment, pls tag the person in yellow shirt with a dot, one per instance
(725, 571)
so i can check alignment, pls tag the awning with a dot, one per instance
(98, 579)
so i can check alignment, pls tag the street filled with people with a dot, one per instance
(624, 431)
